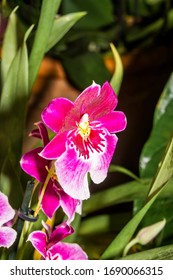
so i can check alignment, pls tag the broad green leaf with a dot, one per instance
(14, 98)
(45, 24)
(106, 223)
(160, 253)
(10, 45)
(123, 193)
(117, 77)
(12, 121)
(115, 195)
(61, 26)
(165, 170)
(161, 133)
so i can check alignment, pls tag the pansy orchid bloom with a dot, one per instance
(38, 167)
(85, 137)
(7, 234)
(49, 244)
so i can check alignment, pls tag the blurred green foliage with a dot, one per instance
(127, 24)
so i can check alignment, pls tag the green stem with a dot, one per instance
(20, 222)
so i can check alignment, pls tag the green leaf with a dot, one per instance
(115, 195)
(14, 98)
(121, 169)
(117, 77)
(12, 121)
(165, 170)
(103, 223)
(123, 193)
(161, 132)
(45, 24)
(61, 26)
(161, 253)
(10, 44)
(99, 13)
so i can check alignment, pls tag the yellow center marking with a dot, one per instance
(83, 127)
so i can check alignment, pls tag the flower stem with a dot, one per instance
(49, 175)
(20, 222)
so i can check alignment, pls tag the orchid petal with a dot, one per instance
(59, 109)
(38, 240)
(66, 251)
(6, 211)
(60, 232)
(41, 133)
(55, 147)
(96, 101)
(113, 122)
(50, 202)
(7, 236)
(34, 165)
(101, 161)
(72, 174)
(69, 205)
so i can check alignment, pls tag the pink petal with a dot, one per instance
(60, 232)
(6, 211)
(101, 161)
(96, 101)
(114, 121)
(38, 240)
(7, 236)
(72, 174)
(55, 147)
(34, 165)
(50, 202)
(41, 133)
(69, 205)
(66, 251)
(54, 114)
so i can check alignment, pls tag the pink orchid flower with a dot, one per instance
(85, 137)
(37, 167)
(7, 234)
(49, 244)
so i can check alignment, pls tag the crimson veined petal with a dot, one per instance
(55, 113)
(114, 121)
(7, 236)
(72, 173)
(6, 211)
(67, 251)
(56, 147)
(101, 161)
(38, 240)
